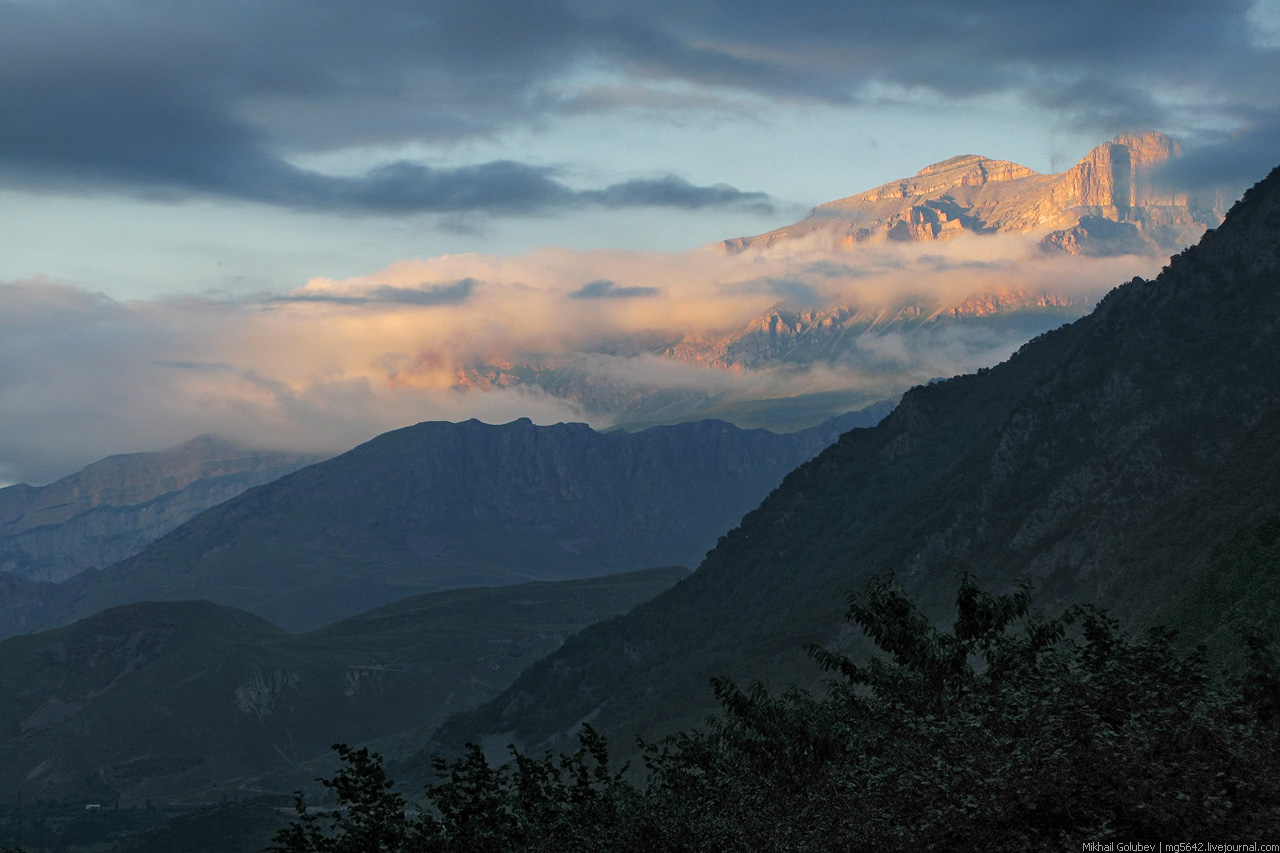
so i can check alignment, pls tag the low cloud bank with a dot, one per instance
(333, 363)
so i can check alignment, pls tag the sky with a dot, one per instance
(256, 217)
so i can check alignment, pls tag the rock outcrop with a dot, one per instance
(1114, 182)
(832, 335)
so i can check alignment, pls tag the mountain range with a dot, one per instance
(1129, 459)
(1119, 461)
(442, 505)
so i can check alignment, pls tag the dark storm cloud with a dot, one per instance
(606, 289)
(670, 191)
(1238, 160)
(1098, 65)
(183, 97)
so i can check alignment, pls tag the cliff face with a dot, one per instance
(1115, 176)
(975, 194)
(114, 508)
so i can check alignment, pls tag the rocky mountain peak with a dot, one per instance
(951, 163)
(973, 170)
(1149, 146)
(974, 194)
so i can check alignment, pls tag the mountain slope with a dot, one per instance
(189, 699)
(117, 506)
(442, 505)
(1103, 462)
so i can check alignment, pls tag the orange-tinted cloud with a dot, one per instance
(335, 362)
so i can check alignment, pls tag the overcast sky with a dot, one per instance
(161, 150)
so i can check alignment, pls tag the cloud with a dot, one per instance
(1229, 163)
(605, 289)
(792, 292)
(170, 100)
(200, 157)
(182, 98)
(671, 191)
(87, 377)
(438, 294)
(458, 336)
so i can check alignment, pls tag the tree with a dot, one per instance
(1009, 729)
(559, 804)
(370, 817)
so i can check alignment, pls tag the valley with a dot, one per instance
(465, 583)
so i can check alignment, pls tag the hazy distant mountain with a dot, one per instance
(116, 507)
(191, 700)
(442, 505)
(1110, 203)
(1105, 462)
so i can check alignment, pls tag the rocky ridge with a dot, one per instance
(188, 700)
